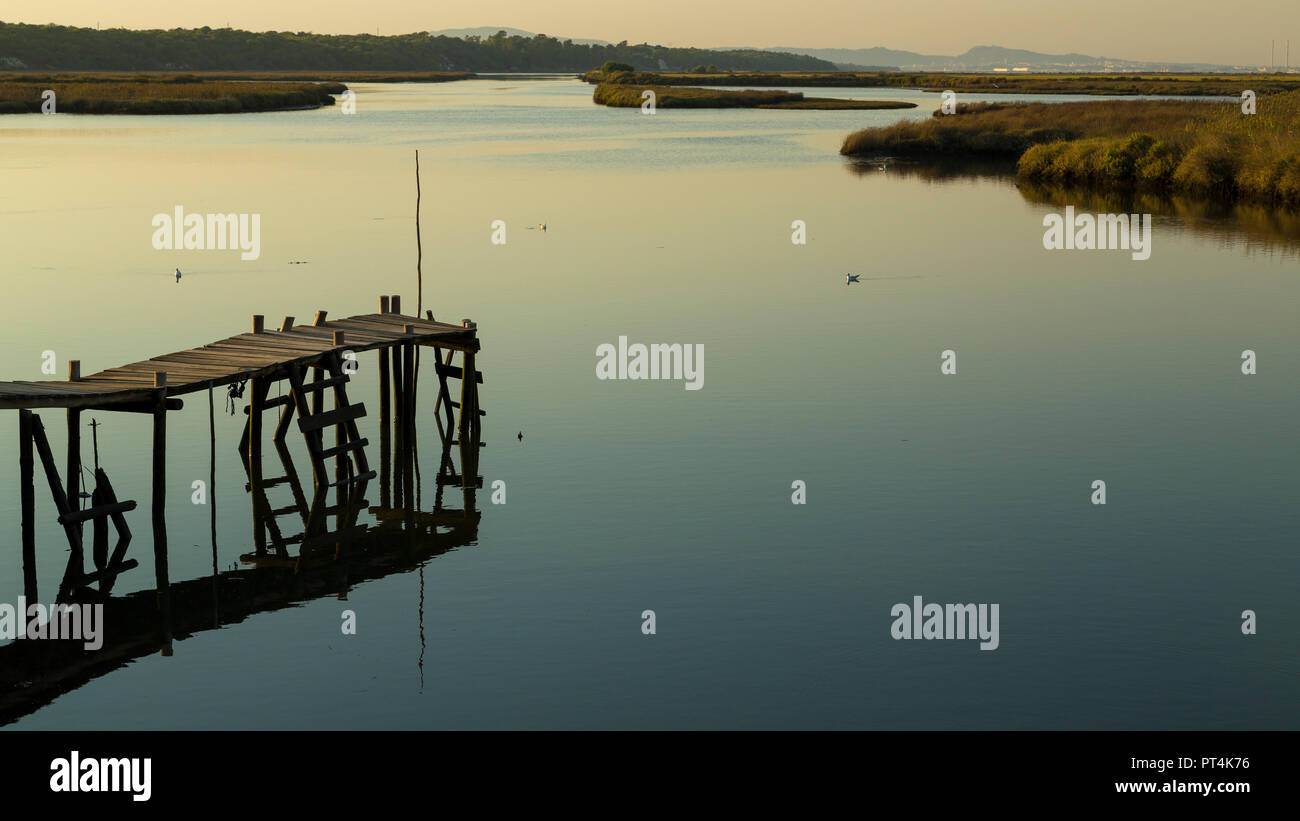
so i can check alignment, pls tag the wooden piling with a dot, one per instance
(341, 459)
(408, 429)
(399, 440)
(385, 464)
(258, 320)
(74, 370)
(99, 530)
(383, 304)
(320, 318)
(160, 516)
(286, 325)
(71, 485)
(396, 303)
(212, 485)
(27, 492)
(467, 386)
(257, 394)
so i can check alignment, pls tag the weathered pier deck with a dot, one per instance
(234, 359)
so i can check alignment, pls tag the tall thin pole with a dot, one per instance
(212, 474)
(212, 499)
(419, 250)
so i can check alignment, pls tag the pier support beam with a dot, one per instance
(160, 518)
(399, 440)
(408, 423)
(385, 441)
(468, 409)
(73, 488)
(257, 395)
(27, 491)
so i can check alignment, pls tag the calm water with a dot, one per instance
(627, 496)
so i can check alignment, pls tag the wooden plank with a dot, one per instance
(322, 384)
(95, 512)
(365, 477)
(107, 572)
(331, 417)
(457, 373)
(346, 447)
(274, 402)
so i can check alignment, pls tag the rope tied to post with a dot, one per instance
(235, 390)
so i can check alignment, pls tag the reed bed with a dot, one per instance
(1201, 148)
(170, 95)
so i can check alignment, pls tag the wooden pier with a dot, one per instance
(312, 360)
(259, 353)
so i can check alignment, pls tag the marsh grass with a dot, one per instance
(1184, 85)
(624, 96)
(159, 94)
(1201, 148)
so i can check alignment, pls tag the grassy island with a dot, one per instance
(1199, 148)
(1182, 85)
(628, 96)
(158, 94)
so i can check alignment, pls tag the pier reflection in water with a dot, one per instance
(343, 538)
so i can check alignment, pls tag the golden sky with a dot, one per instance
(1177, 30)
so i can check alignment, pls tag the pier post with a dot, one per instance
(467, 410)
(74, 444)
(408, 428)
(257, 395)
(159, 510)
(399, 439)
(71, 487)
(27, 492)
(385, 442)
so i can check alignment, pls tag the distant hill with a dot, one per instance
(57, 48)
(488, 31)
(988, 58)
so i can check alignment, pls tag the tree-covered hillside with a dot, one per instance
(60, 48)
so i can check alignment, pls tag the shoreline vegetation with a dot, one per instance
(627, 96)
(325, 76)
(160, 94)
(1184, 85)
(1204, 149)
(56, 48)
